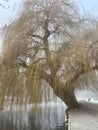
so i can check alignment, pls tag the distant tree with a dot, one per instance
(48, 44)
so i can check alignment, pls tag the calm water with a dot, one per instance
(51, 117)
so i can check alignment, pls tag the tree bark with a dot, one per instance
(66, 94)
(68, 97)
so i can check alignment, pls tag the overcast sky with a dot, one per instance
(6, 15)
(89, 5)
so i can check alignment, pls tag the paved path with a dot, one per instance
(85, 118)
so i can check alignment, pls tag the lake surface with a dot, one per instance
(50, 117)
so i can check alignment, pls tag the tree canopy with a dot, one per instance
(50, 45)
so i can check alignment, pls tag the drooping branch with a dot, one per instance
(79, 74)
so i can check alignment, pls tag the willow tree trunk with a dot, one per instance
(67, 97)
(66, 94)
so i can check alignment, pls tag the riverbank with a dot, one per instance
(85, 118)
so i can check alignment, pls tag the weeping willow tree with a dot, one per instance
(48, 45)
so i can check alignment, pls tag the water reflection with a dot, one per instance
(46, 118)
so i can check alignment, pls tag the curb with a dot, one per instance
(67, 121)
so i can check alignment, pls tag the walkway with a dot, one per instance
(85, 118)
